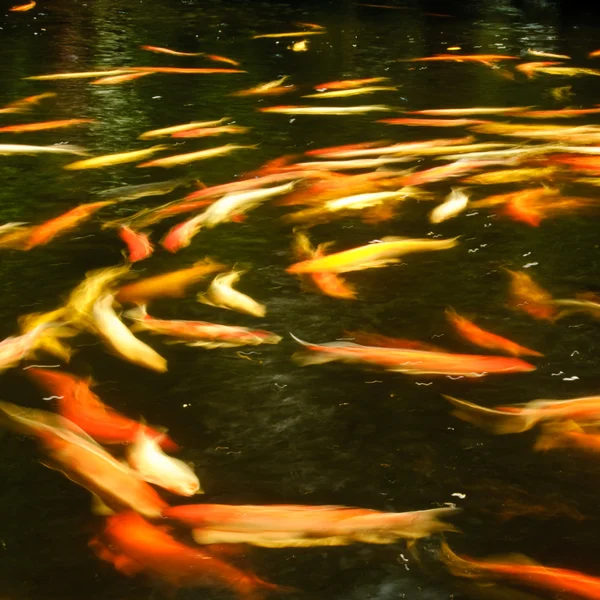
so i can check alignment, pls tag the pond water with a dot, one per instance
(259, 428)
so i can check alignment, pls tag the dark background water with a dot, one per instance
(268, 431)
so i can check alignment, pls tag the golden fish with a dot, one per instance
(168, 51)
(456, 202)
(547, 54)
(288, 34)
(167, 131)
(184, 159)
(512, 176)
(82, 75)
(113, 159)
(325, 110)
(353, 92)
(115, 79)
(221, 294)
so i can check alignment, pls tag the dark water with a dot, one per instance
(266, 430)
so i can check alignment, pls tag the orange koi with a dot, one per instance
(160, 50)
(530, 68)
(185, 70)
(407, 361)
(271, 88)
(454, 169)
(563, 113)
(77, 403)
(485, 339)
(210, 131)
(476, 110)
(529, 297)
(594, 54)
(224, 59)
(23, 7)
(180, 236)
(566, 435)
(138, 244)
(346, 84)
(375, 339)
(432, 122)
(133, 545)
(46, 232)
(26, 103)
(523, 571)
(45, 125)
(485, 59)
(115, 79)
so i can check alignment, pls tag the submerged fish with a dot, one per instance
(109, 160)
(23, 7)
(160, 50)
(167, 131)
(271, 88)
(529, 297)
(547, 54)
(14, 349)
(133, 192)
(138, 244)
(409, 361)
(379, 254)
(289, 34)
(325, 110)
(25, 104)
(346, 84)
(82, 75)
(116, 79)
(221, 294)
(184, 159)
(24, 149)
(455, 203)
(43, 126)
(353, 92)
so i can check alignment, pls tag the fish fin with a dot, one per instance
(553, 435)
(138, 313)
(373, 264)
(99, 508)
(202, 297)
(306, 357)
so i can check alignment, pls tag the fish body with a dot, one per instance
(280, 526)
(160, 50)
(145, 456)
(211, 131)
(353, 92)
(184, 159)
(346, 84)
(409, 361)
(23, 7)
(25, 149)
(455, 203)
(133, 192)
(379, 254)
(527, 296)
(201, 333)
(16, 348)
(431, 122)
(547, 54)
(50, 340)
(125, 77)
(325, 110)
(109, 160)
(81, 75)
(221, 293)
(180, 236)
(120, 339)
(78, 403)
(173, 284)
(169, 131)
(186, 70)
(485, 339)
(288, 34)
(270, 88)
(478, 110)
(134, 545)
(138, 244)
(28, 127)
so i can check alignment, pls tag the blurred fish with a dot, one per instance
(512, 175)
(380, 254)
(301, 46)
(289, 34)
(169, 131)
(529, 297)
(521, 570)
(586, 303)
(120, 339)
(485, 59)
(562, 93)
(160, 50)
(184, 159)
(14, 349)
(594, 54)
(344, 165)
(15, 235)
(408, 361)
(133, 546)
(315, 26)
(346, 84)
(567, 71)
(180, 236)
(530, 68)
(50, 340)
(46, 232)
(485, 339)
(452, 112)
(45, 125)
(325, 110)
(431, 122)
(224, 59)
(57, 149)
(133, 192)
(365, 338)
(353, 92)
(291, 526)
(449, 171)
(455, 203)
(116, 79)
(221, 294)
(77, 403)
(23, 7)
(82, 75)
(185, 70)
(172, 284)
(147, 459)
(547, 54)
(566, 434)
(210, 131)
(329, 283)
(138, 244)
(533, 208)
(563, 113)
(200, 333)
(271, 88)
(25, 104)
(109, 160)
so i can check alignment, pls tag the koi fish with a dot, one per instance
(484, 339)
(147, 459)
(46, 125)
(116, 79)
(184, 159)
(220, 293)
(486, 59)
(26, 103)
(23, 7)
(301, 46)
(530, 210)
(26, 149)
(201, 333)
(77, 403)
(431, 122)
(594, 54)
(108, 160)
(361, 163)
(49, 340)
(271, 88)
(83, 461)
(563, 113)
(547, 54)
(566, 434)
(567, 71)
(169, 131)
(375, 339)
(523, 571)
(46, 232)
(530, 68)
(329, 283)
(452, 112)
(186, 70)
(288, 34)
(325, 110)
(512, 176)
(133, 545)
(180, 236)
(14, 349)
(353, 92)
(408, 361)
(587, 303)
(379, 254)
(160, 50)
(133, 192)
(208, 131)
(289, 525)
(82, 75)
(223, 59)
(451, 170)
(529, 297)
(138, 244)
(346, 84)
(15, 235)
(173, 284)
(120, 339)
(455, 203)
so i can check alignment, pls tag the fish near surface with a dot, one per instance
(379, 254)
(409, 361)
(455, 203)
(50, 339)
(120, 339)
(184, 159)
(567, 434)
(77, 403)
(139, 246)
(169, 131)
(16, 348)
(134, 545)
(527, 296)
(173, 284)
(201, 333)
(147, 459)
(220, 293)
(109, 160)
(281, 526)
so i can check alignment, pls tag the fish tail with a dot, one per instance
(456, 565)
(428, 522)
(139, 313)
(494, 421)
(554, 435)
